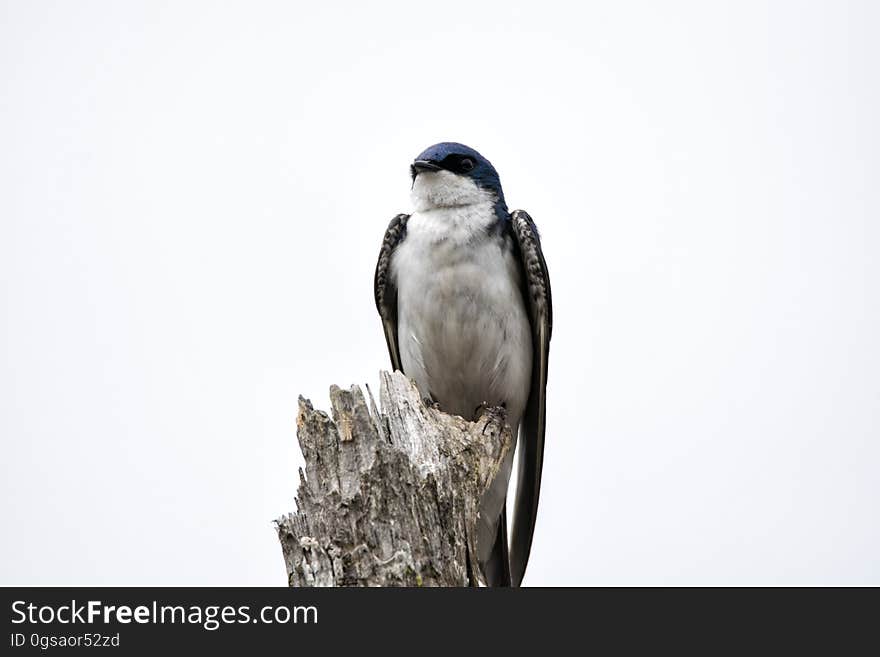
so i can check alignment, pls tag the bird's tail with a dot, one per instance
(492, 540)
(497, 567)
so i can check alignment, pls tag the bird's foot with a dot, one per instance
(430, 403)
(491, 415)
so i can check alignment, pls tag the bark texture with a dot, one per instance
(389, 499)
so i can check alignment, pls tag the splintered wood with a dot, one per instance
(390, 498)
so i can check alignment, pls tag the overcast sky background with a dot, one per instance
(193, 197)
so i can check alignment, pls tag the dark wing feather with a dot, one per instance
(385, 290)
(536, 288)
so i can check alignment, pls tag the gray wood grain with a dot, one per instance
(389, 499)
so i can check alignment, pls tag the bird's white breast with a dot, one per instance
(462, 326)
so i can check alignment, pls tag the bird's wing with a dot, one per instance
(536, 290)
(385, 290)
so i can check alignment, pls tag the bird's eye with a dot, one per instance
(467, 164)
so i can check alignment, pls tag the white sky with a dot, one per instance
(193, 196)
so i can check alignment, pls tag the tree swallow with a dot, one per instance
(464, 295)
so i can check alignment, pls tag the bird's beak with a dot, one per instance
(423, 165)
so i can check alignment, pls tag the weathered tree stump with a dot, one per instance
(389, 499)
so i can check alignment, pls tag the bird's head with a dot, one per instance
(450, 174)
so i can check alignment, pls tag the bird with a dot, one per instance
(463, 292)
